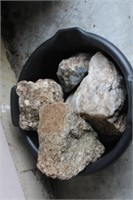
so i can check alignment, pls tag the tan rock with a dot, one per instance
(67, 144)
(101, 93)
(32, 96)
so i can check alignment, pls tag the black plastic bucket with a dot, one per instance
(43, 63)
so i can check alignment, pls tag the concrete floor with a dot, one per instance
(8, 170)
(30, 24)
(19, 178)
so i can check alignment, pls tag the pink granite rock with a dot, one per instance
(67, 144)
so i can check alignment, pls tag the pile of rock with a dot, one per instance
(67, 131)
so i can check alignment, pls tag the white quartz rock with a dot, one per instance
(101, 93)
(32, 96)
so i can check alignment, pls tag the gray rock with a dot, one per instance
(101, 94)
(32, 96)
(72, 70)
(67, 144)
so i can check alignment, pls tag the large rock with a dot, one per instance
(66, 142)
(101, 94)
(32, 96)
(72, 70)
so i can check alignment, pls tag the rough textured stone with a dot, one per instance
(72, 70)
(66, 142)
(32, 96)
(101, 94)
